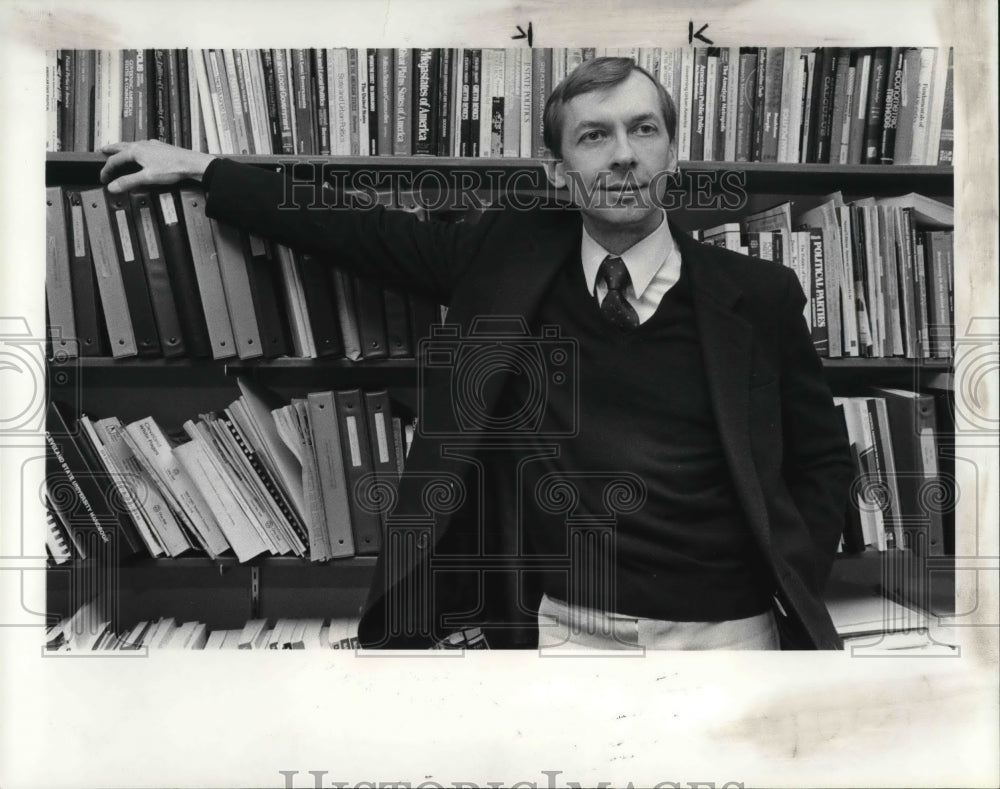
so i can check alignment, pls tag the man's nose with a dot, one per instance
(623, 153)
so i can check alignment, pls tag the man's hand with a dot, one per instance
(158, 163)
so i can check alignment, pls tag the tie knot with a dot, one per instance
(614, 273)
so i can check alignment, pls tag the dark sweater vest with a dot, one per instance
(645, 433)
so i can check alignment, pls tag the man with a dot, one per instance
(679, 482)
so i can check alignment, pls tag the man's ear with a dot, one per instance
(555, 171)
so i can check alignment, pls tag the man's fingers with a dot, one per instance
(124, 156)
(130, 181)
(114, 147)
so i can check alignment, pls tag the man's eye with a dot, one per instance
(646, 128)
(592, 136)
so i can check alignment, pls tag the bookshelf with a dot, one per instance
(225, 593)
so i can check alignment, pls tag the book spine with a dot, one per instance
(210, 125)
(876, 106)
(711, 104)
(326, 330)
(94, 208)
(386, 91)
(834, 62)
(272, 104)
(921, 118)
(907, 106)
(283, 87)
(541, 87)
(330, 467)
(859, 108)
(322, 98)
(905, 256)
(101, 462)
(199, 137)
(890, 115)
(61, 328)
(357, 74)
(223, 108)
(424, 110)
(177, 254)
(81, 495)
(936, 106)
(785, 102)
(357, 104)
(83, 133)
(206, 265)
(685, 104)
(302, 102)
(745, 105)
(402, 97)
(446, 95)
(251, 95)
(356, 448)
(67, 99)
(155, 264)
(90, 330)
(371, 317)
(887, 242)
(128, 95)
(772, 104)
(346, 313)
(236, 287)
(336, 94)
(175, 91)
(923, 316)
(262, 272)
(946, 144)
(496, 103)
(161, 96)
(698, 105)
(820, 330)
(475, 102)
(510, 146)
(726, 72)
(373, 107)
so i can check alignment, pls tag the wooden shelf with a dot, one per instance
(513, 163)
(242, 367)
(765, 177)
(88, 372)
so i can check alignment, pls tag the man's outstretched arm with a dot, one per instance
(392, 246)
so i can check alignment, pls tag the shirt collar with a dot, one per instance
(643, 259)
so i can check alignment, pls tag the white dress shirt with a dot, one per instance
(654, 265)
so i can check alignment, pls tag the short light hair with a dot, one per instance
(598, 74)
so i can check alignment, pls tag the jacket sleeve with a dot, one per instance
(392, 246)
(817, 467)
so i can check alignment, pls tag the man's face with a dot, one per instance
(612, 139)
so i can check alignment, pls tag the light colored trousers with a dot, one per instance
(576, 628)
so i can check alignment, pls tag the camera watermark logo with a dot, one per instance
(470, 371)
(23, 380)
(977, 367)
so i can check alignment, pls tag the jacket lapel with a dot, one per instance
(533, 259)
(726, 341)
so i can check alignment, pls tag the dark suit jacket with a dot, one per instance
(784, 443)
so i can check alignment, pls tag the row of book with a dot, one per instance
(89, 629)
(898, 491)
(836, 105)
(148, 274)
(261, 477)
(878, 273)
